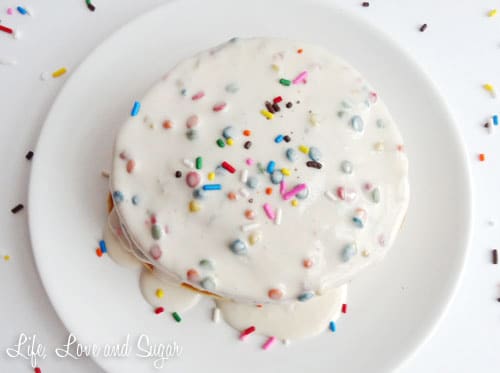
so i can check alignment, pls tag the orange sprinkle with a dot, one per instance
(307, 263)
(167, 124)
(300, 50)
(259, 305)
(98, 251)
(130, 166)
(401, 148)
(231, 196)
(482, 157)
(269, 191)
(249, 214)
(247, 132)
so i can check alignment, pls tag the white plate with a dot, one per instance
(392, 308)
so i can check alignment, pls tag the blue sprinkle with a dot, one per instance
(303, 194)
(291, 154)
(117, 196)
(220, 171)
(21, 10)
(278, 139)
(228, 132)
(348, 252)
(212, 187)
(276, 177)
(135, 108)
(495, 120)
(103, 247)
(332, 326)
(232, 88)
(198, 193)
(314, 154)
(358, 222)
(208, 283)
(357, 123)
(238, 247)
(252, 182)
(183, 91)
(271, 166)
(135, 200)
(305, 296)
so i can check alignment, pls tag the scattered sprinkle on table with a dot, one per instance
(482, 157)
(90, 6)
(6, 258)
(247, 332)
(423, 27)
(102, 246)
(98, 252)
(17, 208)
(159, 310)
(176, 317)
(366, 4)
(494, 256)
(37, 370)
(60, 72)
(344, 308)
(492, 13)
(489, 88)
(22, 10)
(216, 314)
(29, 155)
(135, 109)
(6, 29)
(332, 326)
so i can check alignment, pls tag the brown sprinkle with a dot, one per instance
(17, 208)
(178, 174)
(287, 138)
(423, 27)
(276, 107)
(289, 105)
(314, 164)
(366, 4)
(269, 107)
(29, 155)
(247, 144)
(494, 256)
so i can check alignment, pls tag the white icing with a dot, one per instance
(286, 321)
(175, 297)
(240, 73)
(116, 248)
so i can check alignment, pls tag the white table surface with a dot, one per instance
(460, 50)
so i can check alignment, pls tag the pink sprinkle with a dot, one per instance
(301, 78)
(10, 11)
(282, 187)
(155, 252)
(219, 106)
(246, 332)
(198, 95)
(269, 211)
(249, 161)
(292, 193)
(270, 341)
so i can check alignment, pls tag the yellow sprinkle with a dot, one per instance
(58, 73)
(379, 146)
(314, 119)
(295, 203)
(286, 171)
(6, 258)
(492, 13)
(230, 141)
(304, 149)
(151, 125)
(211, 176)
(254, 238)
(267, 114)
(275, 67)
(194, 206)
(159, 293)
(488, 87)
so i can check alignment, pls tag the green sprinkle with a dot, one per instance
(285, 82)
(221, 143)
(199, 163)
(176, 317)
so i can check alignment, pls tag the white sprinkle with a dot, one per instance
(249, 227)
(105, 173)
(330, 195)
(279, 213)
(244, 176)
(491, 125)
(30, 11)
(491, 223)
(188, 163)
(8, 61)
(244, 192)
(286, 342)
(215, 314)
(17, 34)
(44, 76)
(313, 119)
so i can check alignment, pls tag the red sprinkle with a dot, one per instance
(482, 157)
(219, 106)
(246, 332)
(228, 167)
(8, 30)
(344, 308)
(277, 99)
(159, 310)
(198, 95)
(38, 370)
